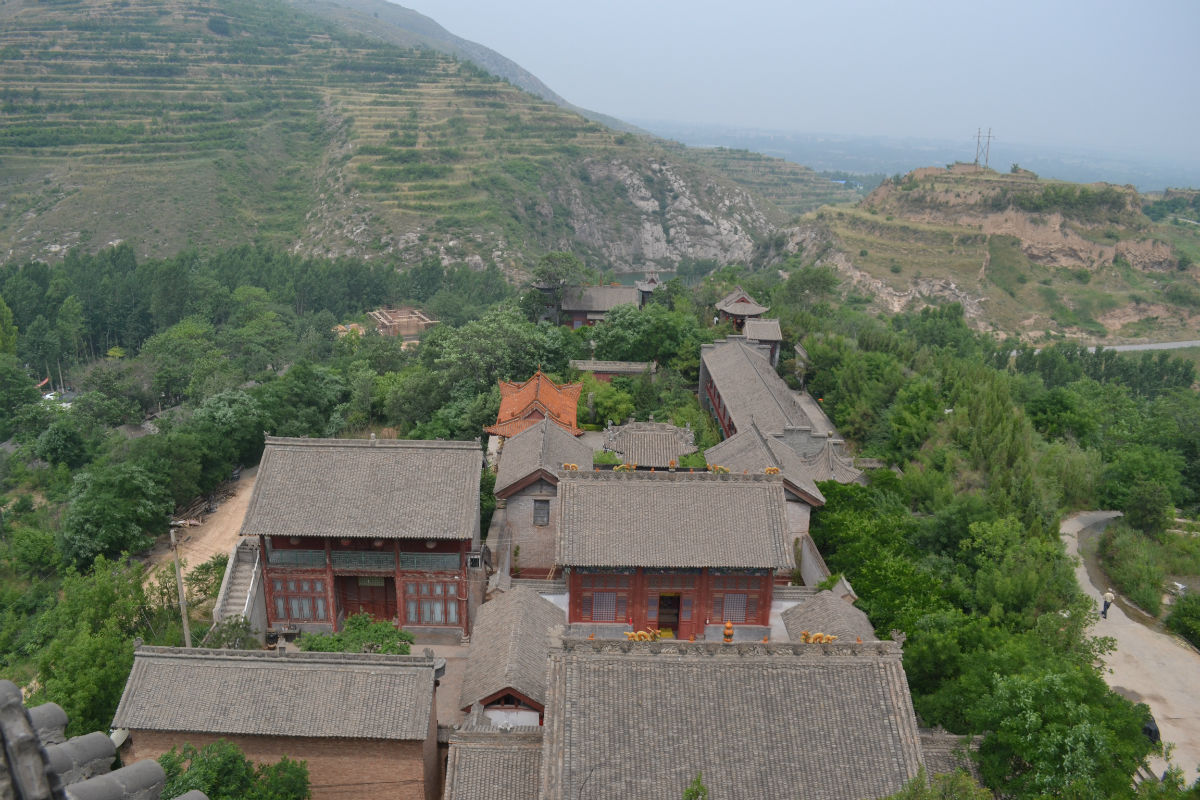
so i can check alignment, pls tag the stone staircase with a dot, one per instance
(244, 568)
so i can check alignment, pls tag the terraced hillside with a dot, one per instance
(173, 123)
(1024, 256)
(794, 188)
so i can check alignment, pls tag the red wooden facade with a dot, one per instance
(682, 601)
(718, 408)
(316, 582)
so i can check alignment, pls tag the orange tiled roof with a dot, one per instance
(523, 405)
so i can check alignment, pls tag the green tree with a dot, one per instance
(553, 273)
(957, 785)
(17, 390)
(62, 443)
(1184, 618)
(1059, 734)
(39, 346)
(1140, 464)
(112, 509)
(237, 418)
(84, 671)
(8, 330)
(181, 357)
(71, 326)
(362, 633)
(232, 633)
(223, 772)
(1149, 509)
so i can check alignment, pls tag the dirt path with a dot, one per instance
(1148, 665)
(217, 534)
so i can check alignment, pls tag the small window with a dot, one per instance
(604, 607)
(541, 512)
(735, 607)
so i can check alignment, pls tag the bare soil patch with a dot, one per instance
(217, 533)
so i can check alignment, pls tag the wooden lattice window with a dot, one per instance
(299, 600)
(430, 603)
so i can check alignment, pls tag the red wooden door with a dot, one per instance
(375, 596)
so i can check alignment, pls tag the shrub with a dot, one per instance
(1185, 618)
(1129, 560)
(362, 634)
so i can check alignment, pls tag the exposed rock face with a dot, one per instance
(656, 213)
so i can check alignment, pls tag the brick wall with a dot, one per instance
(536, 541)
(337, 768)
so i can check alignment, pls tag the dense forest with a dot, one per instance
(957, 546)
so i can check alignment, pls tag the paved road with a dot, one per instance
(1150, 666)
(1133, 348)
(1129, 348)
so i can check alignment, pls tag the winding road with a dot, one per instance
(1149, 666)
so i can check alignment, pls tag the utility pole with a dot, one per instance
(187, 632)
(983, 146)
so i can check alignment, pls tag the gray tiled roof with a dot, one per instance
(825, 612)
(509, 646)
(494, 766)
(367, 488)
(639, 720)
(38, 762)
(750, 387)
(947, 752)
(650, 444)
(751, 450)
(673, 519)
(733, 303)
(614, 367)
(597, 298)
(317, 695)
(546, 447)
(763, 330)
(831, 463)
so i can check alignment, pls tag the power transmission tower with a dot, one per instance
(983, 146)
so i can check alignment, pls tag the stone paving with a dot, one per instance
(1148, 665)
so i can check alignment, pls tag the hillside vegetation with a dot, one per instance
(173, 124)
(1042, 259)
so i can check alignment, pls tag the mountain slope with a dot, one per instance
(1024, 256)
(407, 28)
(173, 124)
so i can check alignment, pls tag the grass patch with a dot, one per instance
(1140, 566)
(1130, 560)
(1008, 267)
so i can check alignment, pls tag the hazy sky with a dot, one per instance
(1123, 75)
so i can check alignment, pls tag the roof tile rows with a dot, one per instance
(633, 720)
(650, 444)
(510, 643)
(494, 766)
(763, 330)
(739, 303)
(524, 404)
(827, 613)
(264, 693)
(543, 448)
(366, 488)
(38, 762)
(614, 367)
(750, 387)
(672, 519)
(598, 298)
(751, 450)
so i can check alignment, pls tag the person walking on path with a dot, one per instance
(1108, 601)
